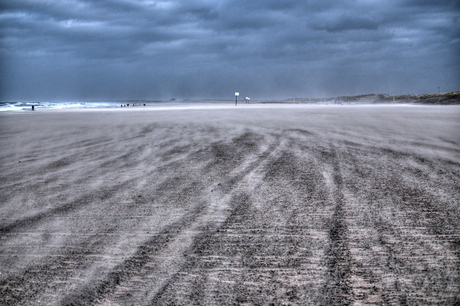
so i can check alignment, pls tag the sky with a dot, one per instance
(67, 50)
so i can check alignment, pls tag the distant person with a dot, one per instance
(33, 107)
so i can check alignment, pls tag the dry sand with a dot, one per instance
(231, 205)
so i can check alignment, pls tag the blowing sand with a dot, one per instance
(231, 205)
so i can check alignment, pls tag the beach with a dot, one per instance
(224, 204)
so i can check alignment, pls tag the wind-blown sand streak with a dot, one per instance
(223, 205)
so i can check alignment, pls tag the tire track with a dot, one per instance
(231, 190)
(391, 223)
(365, 280)
(243, 209)
(79, 203)
(244, 261)
(127, 288)
(96, 291)
(197, 250)
(234, 188)
(338, 290)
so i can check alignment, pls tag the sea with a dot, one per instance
(27, 106)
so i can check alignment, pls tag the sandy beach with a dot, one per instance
(220, 205)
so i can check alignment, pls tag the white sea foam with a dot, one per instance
(19, 106)
(27, 106)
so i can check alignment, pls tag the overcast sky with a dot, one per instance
(70, 50)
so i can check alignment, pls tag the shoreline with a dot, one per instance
(217, 106)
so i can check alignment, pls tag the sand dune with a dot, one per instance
(231, 205)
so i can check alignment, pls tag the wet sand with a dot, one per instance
(231, 205)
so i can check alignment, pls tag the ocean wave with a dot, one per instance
(20, 106)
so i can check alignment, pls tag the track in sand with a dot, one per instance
(217, 206)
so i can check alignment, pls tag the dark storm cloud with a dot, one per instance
(83, 49)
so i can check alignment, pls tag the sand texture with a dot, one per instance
(328, 205)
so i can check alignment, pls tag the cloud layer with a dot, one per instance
(143, 49)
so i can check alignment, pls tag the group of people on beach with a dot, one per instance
(123, 105)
